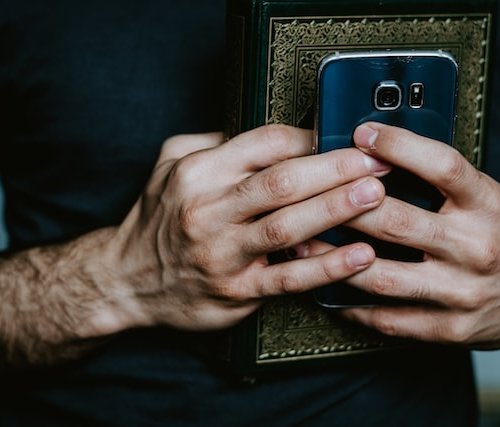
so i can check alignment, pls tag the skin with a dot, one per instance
(192, 252)
(457, 287)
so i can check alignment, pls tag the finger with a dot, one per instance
(180, 146)
(295, 180)
(230, 163)
(302, 221)
(399, 222)
(265, 146)
(175, 148)
(318, 247)
(429, 324)
(309, 273)
(410, 282)
(302, 250)
(435, 162)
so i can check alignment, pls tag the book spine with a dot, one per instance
(233, 346)
(244, 62)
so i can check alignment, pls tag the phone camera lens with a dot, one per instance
(387, 96)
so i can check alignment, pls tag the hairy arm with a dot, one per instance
(49, 300)
(191, 254)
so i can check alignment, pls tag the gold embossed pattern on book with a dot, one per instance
(294, 328)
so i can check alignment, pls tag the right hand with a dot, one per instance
(192, 252)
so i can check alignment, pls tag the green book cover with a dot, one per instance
(274, 47)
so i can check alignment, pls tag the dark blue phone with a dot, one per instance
(416, 90)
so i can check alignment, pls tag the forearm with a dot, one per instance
(52, 300)
(192, 253)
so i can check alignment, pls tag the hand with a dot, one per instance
(457, 287)
(192, 252)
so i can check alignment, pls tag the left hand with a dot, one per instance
(457, 286)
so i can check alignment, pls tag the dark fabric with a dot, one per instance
(88, 92)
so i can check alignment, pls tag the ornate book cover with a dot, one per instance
(274, 48)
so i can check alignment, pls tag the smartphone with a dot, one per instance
(416, 90)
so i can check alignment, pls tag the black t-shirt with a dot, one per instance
(88, 92)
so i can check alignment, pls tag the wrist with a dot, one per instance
(118, 309)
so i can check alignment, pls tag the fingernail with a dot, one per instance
(360, 257)
(364, 193)
(366, 137)
(376, 166)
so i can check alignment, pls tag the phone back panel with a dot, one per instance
(347, 97)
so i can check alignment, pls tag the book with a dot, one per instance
(274, 47)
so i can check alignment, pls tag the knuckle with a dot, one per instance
(342, 168)
(333, 208)
(205, 261)
(199, 258)
(453, 169)
(186, 172)
(487, 262)
(288, 284)
(437, 232)
(189, 221)
(278, 138)
(436, 330)
(384, 283)
(245, 189)
(384, 323)
(279, 183)
(173, 147)
(230, 291)
(276, 234)
(220, 282)
(397, 224)
(330, 274)
(470, 298)
(456, 332)
(420, 292)
(154, 190)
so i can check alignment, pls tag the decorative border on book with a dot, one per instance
(293, 329)
(298, 44)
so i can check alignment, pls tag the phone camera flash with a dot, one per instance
(417, 95)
